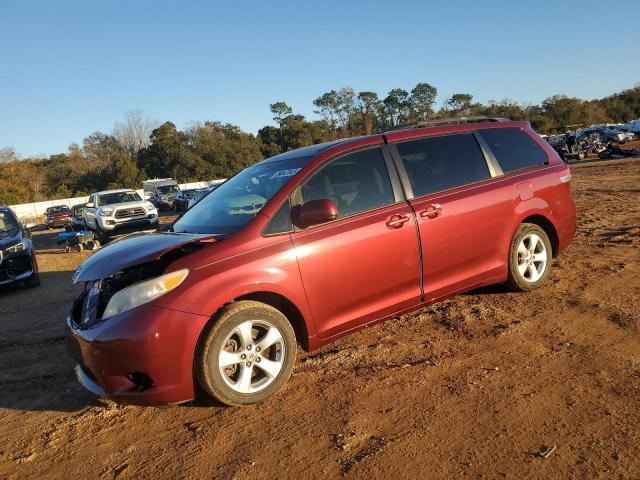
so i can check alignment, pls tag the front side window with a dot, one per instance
(513, 148)
(356, 182)
(435, 164)
(238, 200)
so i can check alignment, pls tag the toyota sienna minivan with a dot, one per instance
(312, 244)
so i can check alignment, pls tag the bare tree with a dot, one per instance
(133, 133)
(8, 154)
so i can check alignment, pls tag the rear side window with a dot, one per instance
(438, 163)
(514, 149)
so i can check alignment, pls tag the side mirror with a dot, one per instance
(89, 205)
(314, 212)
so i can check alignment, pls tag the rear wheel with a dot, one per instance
(246, 354)
(529, 258)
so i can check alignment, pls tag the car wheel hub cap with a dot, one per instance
(252, 356)
(532, 258)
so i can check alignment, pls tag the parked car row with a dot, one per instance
(313, 244)
(106, 213)
(114, 211)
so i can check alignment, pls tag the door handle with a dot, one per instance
(396, 221)
(431, 211)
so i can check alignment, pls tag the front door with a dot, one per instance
(365, 264)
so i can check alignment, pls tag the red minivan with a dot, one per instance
(310, 245)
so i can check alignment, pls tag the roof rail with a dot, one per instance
(449, 121)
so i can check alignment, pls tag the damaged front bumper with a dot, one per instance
(142, 356)
(16, 268)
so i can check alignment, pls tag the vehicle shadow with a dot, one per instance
(37, 372)
(497, 289)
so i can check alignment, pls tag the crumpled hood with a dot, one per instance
(133, 250)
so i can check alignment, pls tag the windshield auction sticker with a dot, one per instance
(285, 173)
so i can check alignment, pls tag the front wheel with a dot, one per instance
(101, 235)
(33, 281)
(529, 258)
(246, 354)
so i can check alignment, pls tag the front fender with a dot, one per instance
(272, 269)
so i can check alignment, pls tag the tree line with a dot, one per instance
(140, 148)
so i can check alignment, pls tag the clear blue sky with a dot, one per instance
(68, 68)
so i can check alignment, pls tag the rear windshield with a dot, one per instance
(117, 197)
(513, 148)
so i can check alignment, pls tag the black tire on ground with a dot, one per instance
(217, 331)
(516, 281)
(101, 235)
(32, 281)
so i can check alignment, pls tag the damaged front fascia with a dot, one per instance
(147, 251)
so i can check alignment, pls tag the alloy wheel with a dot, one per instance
(252, 356)
(532, 258)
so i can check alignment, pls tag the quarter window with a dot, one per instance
(513, 148)
(435, 164)
(281, 221)
(356, 182)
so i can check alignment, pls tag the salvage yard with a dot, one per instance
(489, 384)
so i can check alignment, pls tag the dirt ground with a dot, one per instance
(477, 386)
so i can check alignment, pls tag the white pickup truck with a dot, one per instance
(118, 210)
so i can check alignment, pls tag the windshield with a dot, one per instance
(235, 202)
(164, 189)
(60, 209)
(77, 210)
(117, 197)
(7, 221)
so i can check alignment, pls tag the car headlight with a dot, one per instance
(105, 212)
(149, 206)
(18, 247)
(143, 292)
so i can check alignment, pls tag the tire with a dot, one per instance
(528, 269)
(32, 281)
(101, 235)
(245, 381)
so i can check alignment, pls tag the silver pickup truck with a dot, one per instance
(112, 211)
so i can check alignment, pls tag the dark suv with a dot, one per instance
(17, 257)
(310, 245)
